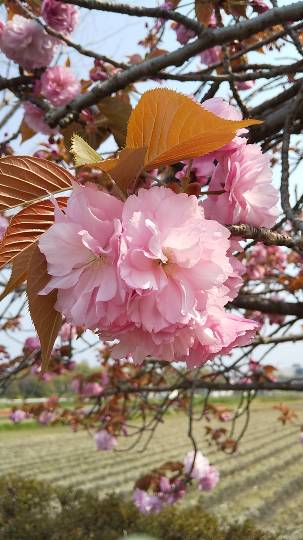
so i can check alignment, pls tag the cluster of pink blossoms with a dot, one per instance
(241, 176)
(152, 272)
(61, 17)
(26, 42)
(59, 85)
(34, 118)
(265, 261)
(171, 490)
(156, 271)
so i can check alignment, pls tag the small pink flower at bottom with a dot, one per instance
(146, 503)
(67, 332)
(210, 480)
(31, 344)
(17, 416)
(201, 465)
(45, 417)
(104, 440)
(91, 389)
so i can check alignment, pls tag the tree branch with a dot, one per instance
(287, 386)
(151, 67)
(297, 67)
(267, 236)
(267, 305)
(125, 9)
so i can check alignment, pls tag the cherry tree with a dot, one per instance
(175, 252)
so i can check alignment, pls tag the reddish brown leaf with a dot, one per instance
(46, 319)
(26, 226)
(203, 10)
(125, 169)
(19, 270)
(26, 179)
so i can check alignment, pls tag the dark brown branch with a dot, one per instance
(125, 9)
(270, 104)
(287, 386)
(279, 339)
(297, 67)
(267, 305)
(267, 236)
(16, 82)
(270, 39)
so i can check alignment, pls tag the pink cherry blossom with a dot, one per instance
(165, 242)
(146, 503)
(17, 416)
(211, 56)
(136, 343)
(210, 479)
(249, 195)
(91, 389)
(245, 85)
(67, 332)
(46, 417)
(133, 272)
(31, 344)
(259, 6)
(3, 226)
(34, 118)
(159, 21)
(171, 490)
(75, 385)
(219, 335)
(301, 438)
(105, 378)
(183, 34)
(222, 108)
(212, 23)
(275, 318)
(61, 17)
(59, 85)
(265, 261)
(81, 250)
(201, 465)
(99, 72)
(104, 440)
(25, 42)
(199, 168)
